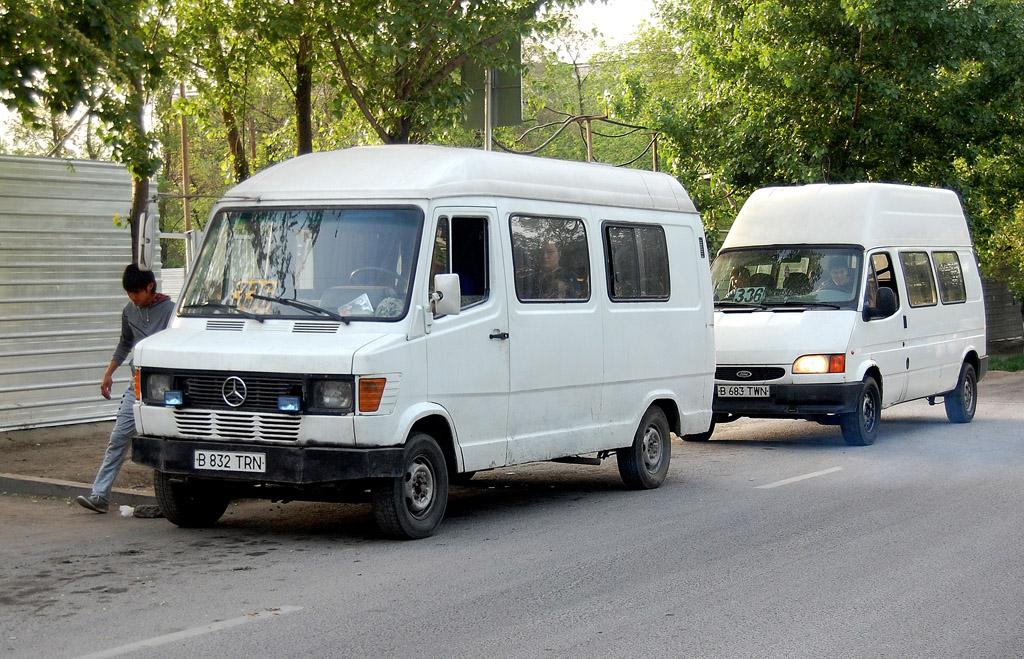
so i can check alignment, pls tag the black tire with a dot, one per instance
(188, 504)
(701, 436)
(861, 426)
(412, 505)
(644, 464)
(962, 402)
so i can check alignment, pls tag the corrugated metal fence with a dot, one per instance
(61, 259)
(1003, 316)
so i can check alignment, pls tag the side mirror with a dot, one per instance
(885, 305)
(146, 243)
(447, 296)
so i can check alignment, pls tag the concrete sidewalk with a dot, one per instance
(61, 462)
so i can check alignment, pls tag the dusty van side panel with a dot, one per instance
(678, 343)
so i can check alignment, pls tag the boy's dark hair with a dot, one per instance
(135, 280)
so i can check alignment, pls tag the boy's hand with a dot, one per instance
(108, 382)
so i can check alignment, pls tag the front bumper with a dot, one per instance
(286, 465)
(793, 401)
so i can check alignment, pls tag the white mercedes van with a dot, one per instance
(836, 301)
(389, 319)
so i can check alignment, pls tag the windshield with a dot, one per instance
(778, 275)
(342, 263)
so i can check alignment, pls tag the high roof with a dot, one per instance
(866, 214)
(411, 172)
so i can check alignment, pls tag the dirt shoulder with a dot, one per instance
(70, 453)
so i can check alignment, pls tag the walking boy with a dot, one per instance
(146, 314)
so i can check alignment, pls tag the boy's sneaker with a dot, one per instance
(93, 502)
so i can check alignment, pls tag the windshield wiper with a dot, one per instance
(741, 306)
(829, 305)
(228, 307)
(305, 306)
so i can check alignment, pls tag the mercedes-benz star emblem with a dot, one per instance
(233, 391)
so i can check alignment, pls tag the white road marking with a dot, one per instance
(190, 633)
(798, 478)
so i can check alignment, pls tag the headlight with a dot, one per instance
(332, 394)
(157, 384)
(820, 364)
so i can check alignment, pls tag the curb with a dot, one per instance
(51, 487)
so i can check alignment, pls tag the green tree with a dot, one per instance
(398, 60)
(781, 91)
(103, 55)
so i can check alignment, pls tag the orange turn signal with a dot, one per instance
(370, 392)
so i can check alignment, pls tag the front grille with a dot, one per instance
(261, 392)
(237, 426)
(756, 373)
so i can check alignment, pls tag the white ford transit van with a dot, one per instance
(388, 319)
(836, 301)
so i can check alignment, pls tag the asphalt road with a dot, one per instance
(775, 539)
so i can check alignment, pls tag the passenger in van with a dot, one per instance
(837, 277)
(739, 278)
(553, 282)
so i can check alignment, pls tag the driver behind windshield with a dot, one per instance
(837, 277)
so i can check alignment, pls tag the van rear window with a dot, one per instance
(637, 257)
(951, 277)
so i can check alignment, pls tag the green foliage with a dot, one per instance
(1013, 364)
(400, 67)
(781, 92)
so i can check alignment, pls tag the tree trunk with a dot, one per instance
(239, 161)
(303, 96)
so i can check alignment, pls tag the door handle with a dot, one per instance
(501, 336)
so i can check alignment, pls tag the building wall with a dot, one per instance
(61, 259)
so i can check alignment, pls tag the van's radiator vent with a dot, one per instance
(225, 325)
(208, 391)
(316, 328)
(749, 373)
(237, 426)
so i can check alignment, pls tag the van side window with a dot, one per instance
(917, 270)
(951, 277)
(550, 258)
(460, 247)
(883, 275)
(637, 258)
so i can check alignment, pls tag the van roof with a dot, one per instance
(416, 172)
(866, 214)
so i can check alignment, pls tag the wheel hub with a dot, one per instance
(652, 448)
(419, 487)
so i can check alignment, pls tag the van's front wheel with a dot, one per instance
(412, 505)
(644, 464)
(860, 427)
(188, 504)
(962, 402)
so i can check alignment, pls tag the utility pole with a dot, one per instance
(185, 197)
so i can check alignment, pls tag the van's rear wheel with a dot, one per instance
(962, 402)
(412, 505)
(188, 504)
(644, 464)
(860, 427)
